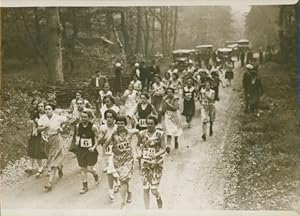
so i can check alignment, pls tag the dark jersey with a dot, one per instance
(87, 136)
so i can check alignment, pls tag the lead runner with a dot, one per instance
(153, 147)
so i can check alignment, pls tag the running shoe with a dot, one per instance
(39, 173)
(84, 190)
(129, 197)
(105, 170)
(168, 150)
(111, 197)
(96, 177)
(29, 171)
(60, 172)
(117, 188)
(159, 203)
(48, 173)
(48, 186)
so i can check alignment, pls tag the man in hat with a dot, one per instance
(249, 57)
(118, 79)
(246, 85)
(136, 71)
(96, 84)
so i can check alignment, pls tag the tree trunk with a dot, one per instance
(175, 29)
(55, 66)
(37, 31)
(126, 37)
(138, 47)
(146, 33)
(153, 32)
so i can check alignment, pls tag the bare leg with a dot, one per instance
(146, 198)
(123, 191)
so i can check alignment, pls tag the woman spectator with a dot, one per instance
(188, 95)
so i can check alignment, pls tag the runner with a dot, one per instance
(131, 97)
(35, 149)
(188, 95)
(109, 103)
(215, 81)
(105, 132)
(143, 110)
(229, 73)
(176, 83)
(158, 91)
(50, 126)
(152, 143)
(123, 157)
(87, 154)
(166, 79)
(208, 112)
(73, 105)
(137, 84)
(172, 120)
(105, 92)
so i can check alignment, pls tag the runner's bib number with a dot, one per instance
(86, 143)
(142, 123)
(108, 150)
(123, 146)
(148, 153)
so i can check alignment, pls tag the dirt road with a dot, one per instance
(192, 176)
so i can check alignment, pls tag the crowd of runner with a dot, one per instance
(150, 113)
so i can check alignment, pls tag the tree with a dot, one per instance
(55, 67)
(262, 25)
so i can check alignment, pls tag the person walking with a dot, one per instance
(255, 92)
(246, 86)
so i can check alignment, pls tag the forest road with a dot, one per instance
(193, 177)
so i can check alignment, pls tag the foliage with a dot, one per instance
(262, 26)
(205, 25)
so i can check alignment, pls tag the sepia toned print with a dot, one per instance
(162, 107)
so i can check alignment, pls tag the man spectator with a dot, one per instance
(242, 58)
(246, 86)
(249, 57)
(97, 83)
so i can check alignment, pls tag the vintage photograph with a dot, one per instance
(161, 107)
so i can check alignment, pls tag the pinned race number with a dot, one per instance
(148, 153)
(86, 143)
(142, 123)
(108, 150)
(123, 146)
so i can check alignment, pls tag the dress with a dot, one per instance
(172, 120)
(52, 139)
(208, 110)
(151, 167)
(36, 149)
(189, 105)
(123, 156)
(131, 102)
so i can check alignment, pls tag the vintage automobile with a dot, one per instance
(244, 44)
(182, 57)
(225, 55)
(204, 54)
